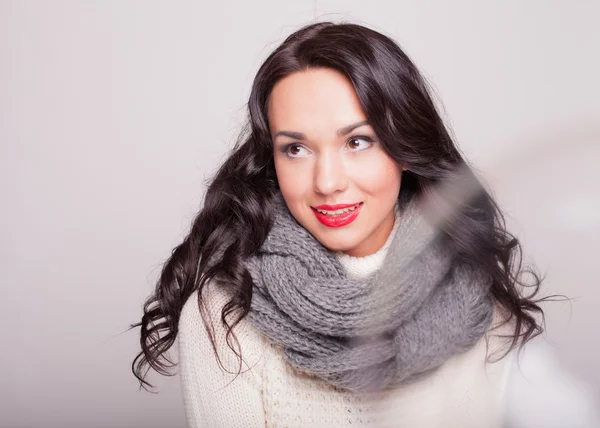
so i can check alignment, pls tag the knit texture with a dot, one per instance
(465, 392)
(420, 308)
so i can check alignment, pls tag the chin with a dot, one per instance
(334, 244)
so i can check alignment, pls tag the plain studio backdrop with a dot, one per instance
(113, 113)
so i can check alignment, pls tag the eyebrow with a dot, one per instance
(340, 132)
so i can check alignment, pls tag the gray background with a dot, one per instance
(113, 113)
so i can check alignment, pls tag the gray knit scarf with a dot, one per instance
(393, 327)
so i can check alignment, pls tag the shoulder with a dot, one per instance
(500, 334)
(218, 392)
(195, 331)
(536, 389)
(542, 392)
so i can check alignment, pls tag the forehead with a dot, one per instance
(314, 100)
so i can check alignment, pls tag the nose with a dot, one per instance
(330, 174)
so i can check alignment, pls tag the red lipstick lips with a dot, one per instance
(339, 219)
(335, 207)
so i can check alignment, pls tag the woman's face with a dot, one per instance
(326, 155)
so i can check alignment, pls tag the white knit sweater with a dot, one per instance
(465, 392)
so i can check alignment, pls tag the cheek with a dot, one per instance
(290, 184)
(377, 174)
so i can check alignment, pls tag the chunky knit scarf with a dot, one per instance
(400, 323)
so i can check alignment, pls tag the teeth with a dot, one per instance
(338, 212)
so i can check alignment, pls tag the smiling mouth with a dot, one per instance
(338, 218)
(337, 212)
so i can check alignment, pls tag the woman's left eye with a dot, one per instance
(360, 138)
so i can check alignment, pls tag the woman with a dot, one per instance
(316, 286)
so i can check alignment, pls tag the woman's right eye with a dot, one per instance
(291, 150)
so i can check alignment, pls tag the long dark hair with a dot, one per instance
(399, 106)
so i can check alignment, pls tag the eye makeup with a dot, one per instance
(285, 148)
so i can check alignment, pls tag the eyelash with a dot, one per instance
(285, 148)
